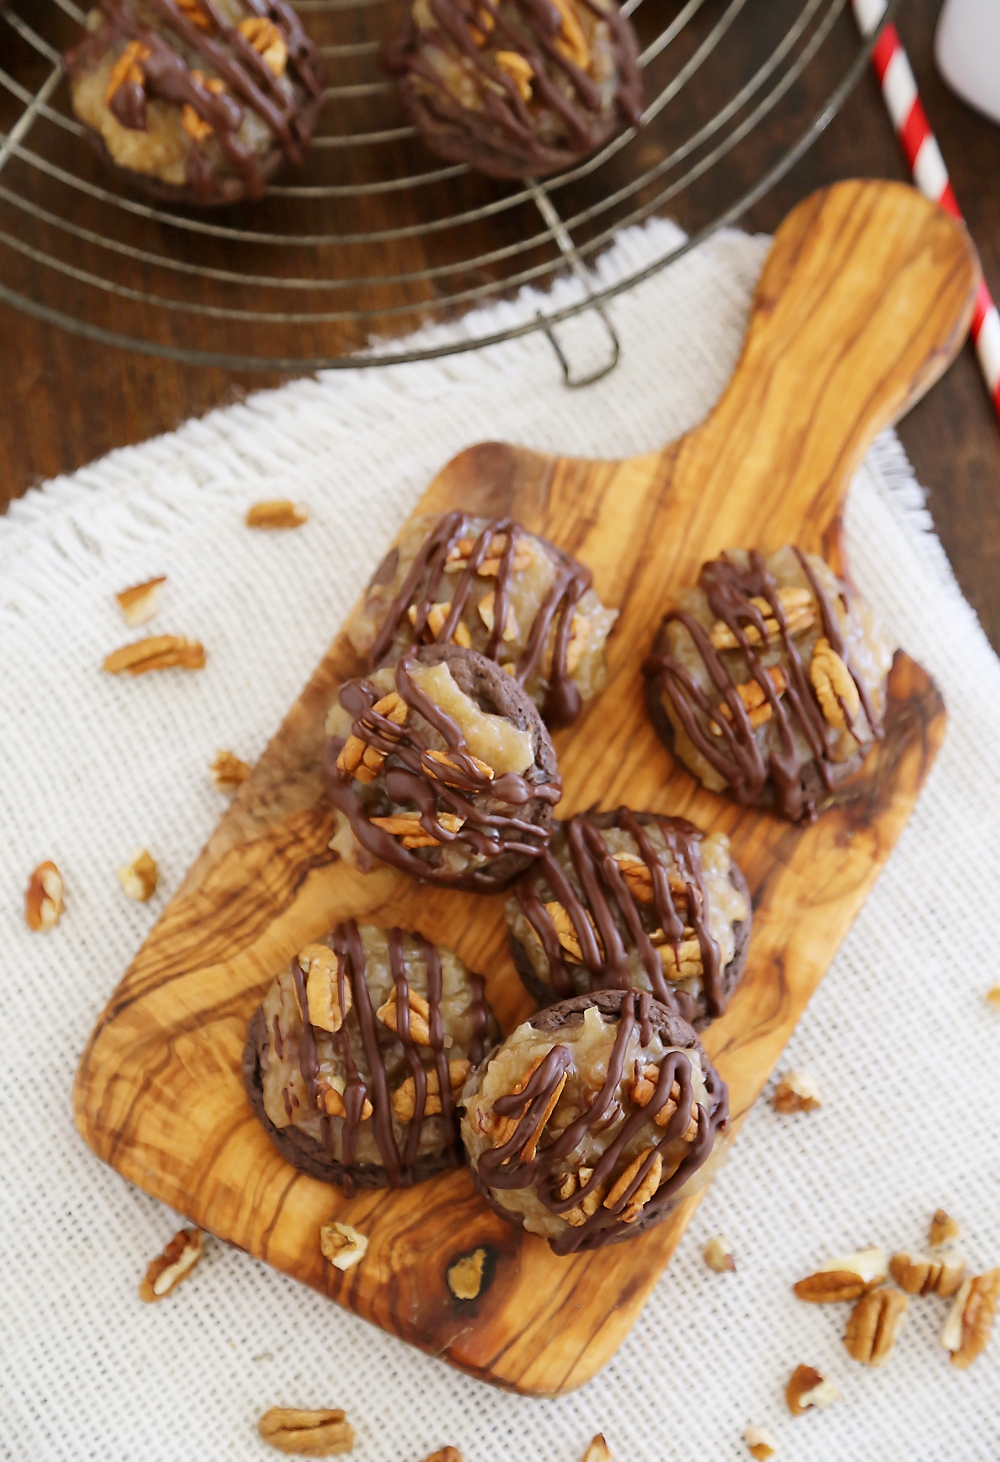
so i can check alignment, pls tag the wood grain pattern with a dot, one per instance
(864, 299)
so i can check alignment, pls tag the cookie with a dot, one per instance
(633, 899)
(517, 88)
(440, 766)
(493, 587)
(196, 101)
(768, 680)
(592, 1121)
(356, 1057)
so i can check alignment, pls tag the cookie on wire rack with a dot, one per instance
(517, 88)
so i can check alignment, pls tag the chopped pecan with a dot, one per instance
(486, 614)
(502, 1129)
(796, 605)
(520, 71)
(139, 603)
(465, 1276)
(320, 966)
(198, 129)
(918, 1274)
(128, 67)
(194, 13)
(993, 997)
(330, 1099)
(643, 1193)
(719, 1256)
(436, 616)
(276, 512)
(324, 1433)
(43, 898)
(406, 826)
(680, 961)
(808, 1387)
(639, 879)
(641, 1091)
(760, 1443)
(944, 1230)
(448, 761)
(598, 1451)
(570, 1183)
(445, 1454)
(404, 1098)
(754, 699)
(579, 636)
(460, 552)
(173, 1265)
(228, 772)
(484, 27)
(797, 1091)
(875, 1322)
(156, 652)
(834, 686)
(566, 933)
(419, 1011)
(844, 1278)
(969, 1324)
(139, 876)
(342, 1244)
(269, 43)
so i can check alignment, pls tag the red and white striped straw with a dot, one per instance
(895, 76)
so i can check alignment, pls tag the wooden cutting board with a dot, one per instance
(864, 300)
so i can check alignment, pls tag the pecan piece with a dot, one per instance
(320, 966)
(797, 1091)
(276, 512)
(566, 933)
(306, 1433)
(406, 826)
(520, 71)
(465, 1276)
(570, 1183)
(436, 616)
(195, 14)
(680, 961)
(460, 552)
(760, 1443)
(228, 772)
(875, 1322)
(944, 1230)
(808, 1387)
(992, 997)
(918, 1274)
(834, 685)
(598, 1451)
(641, 1091)
(445, 1454)
(755, 700)
(579, 630)
(156, 652)
(969, 1324)
(269, 43)
(172, 1266)
(139, 876)
(139, 603)
(486, 614)
(846, 1278)
(330, 1099)
(796, 605)
(719, 1256)
(448, 762)
(639, 879)
(194, 124)
(502, 1129)
(643, 1193)
(419, 1011)
(43, 898)
(404, 1098)
(128, 67)
(342, 1244)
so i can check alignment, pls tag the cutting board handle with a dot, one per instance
(864, 301)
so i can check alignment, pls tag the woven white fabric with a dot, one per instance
(899, 1035)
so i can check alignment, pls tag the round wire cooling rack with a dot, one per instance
(373, 236)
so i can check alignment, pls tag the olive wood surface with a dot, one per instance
(864, 300)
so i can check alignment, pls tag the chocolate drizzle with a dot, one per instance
(617, 915)
(505, 137)
(411, 775)
(249, 82)
(502, 1168)
(398, 1158)
(571, 581)
(736, 754)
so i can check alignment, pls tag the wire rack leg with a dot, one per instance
(568, 250)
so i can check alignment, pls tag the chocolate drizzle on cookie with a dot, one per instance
(570, 583)
(372, 1084)
(247, 79)
(503, 136)
(734, 752)
(506, 1167)
(415, 773)
(608, 905)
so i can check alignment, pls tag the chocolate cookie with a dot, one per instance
(769, 680)
(356, 1057)
(440, 766)
(633, 899)
(517, 88)
(196, 101)
(491, 586)
(592, 1121)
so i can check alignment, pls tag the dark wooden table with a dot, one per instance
(65, 401)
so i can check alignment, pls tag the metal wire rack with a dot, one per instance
(373, 235)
